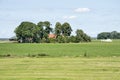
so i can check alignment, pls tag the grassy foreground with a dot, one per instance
(64, 61)
(107, 68)
(92, 49)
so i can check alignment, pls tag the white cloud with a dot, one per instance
(72, 17)
(82, 10)
(69, 17)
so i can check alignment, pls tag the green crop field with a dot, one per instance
(81, 61)
(92, 49)
(107, 68)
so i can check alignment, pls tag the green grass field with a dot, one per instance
(107, 68)
(92, 49)
(64, 61)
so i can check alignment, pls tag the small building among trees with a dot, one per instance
(28, 32)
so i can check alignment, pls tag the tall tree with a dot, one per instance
(27, 32)
(45, 29)
(114, 34)
(104, 35)
(66, 29)
(30, 32)
(109, 35)
(41, 30)
(48, 29)
(58, 27)
(81, 36)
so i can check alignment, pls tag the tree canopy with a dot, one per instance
(109, 35)
(58, 28)
(81, 36)
(66, 29)
(44, 30)
(28, 32)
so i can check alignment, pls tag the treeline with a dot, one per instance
(109, 35)
(42, 32)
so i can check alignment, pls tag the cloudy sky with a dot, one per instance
(92, 16)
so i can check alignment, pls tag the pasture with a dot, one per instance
(92, 49)
(107, 68)
(81, 61)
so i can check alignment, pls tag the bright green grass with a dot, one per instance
(93, 49)
(107, 68)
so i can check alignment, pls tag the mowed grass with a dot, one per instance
(107, 68)
(92, 49)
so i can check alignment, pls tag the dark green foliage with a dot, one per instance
(109, 35)
(42, 54)
(66, 29)
(60, 39)
(115, 35)
(40, 25)
(48, 29)
(37, 55)
(63, 29)
(52, 40)
(85, 54)
(67, 39)
(104, 35)
(45, 29)
(28, 32)
(33, 55)
(73, 39)
(82, 37)
(58, 29)
(5, 55)
(63, 39)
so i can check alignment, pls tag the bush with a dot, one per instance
(8, 55)
(52, 40)
(33, 55)
(43, 54)
(60, 39)
(38, 55)
(5, 55)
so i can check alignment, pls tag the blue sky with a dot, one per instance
(92, 16)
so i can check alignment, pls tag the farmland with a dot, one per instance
(70, 61)
(60, 68)
(92, 49)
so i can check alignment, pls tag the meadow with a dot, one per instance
(107, 68)
(70, 61)
(92, 49)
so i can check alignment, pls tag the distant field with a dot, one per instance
(92, 49)
(107, 68)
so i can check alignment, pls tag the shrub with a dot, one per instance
(52, 40)
(8, 55)
(42, 54)
(5, 55)
(37, 55)
(33, 55)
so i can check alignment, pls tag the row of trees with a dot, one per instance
(28, 32)
(109, 35)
